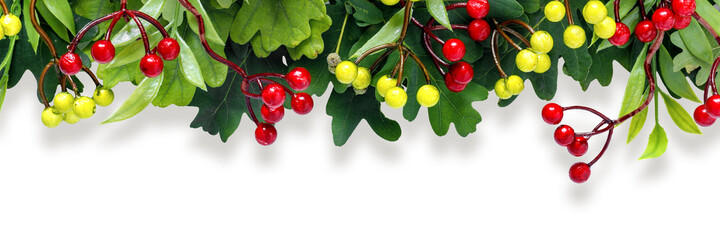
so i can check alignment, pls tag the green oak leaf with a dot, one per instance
(348, 109)
(276, 23)
(314, 45)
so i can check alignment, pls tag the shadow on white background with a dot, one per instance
(152, 177)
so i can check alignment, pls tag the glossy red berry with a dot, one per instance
(265, 134)
(454, 50)
(273, 95)
(578, 147)
(70, 63)
(682, 22)
(579, 172)
(168, 49)
(712, 106)
(103, 51)
(663, 19)
(552, 113)
(683, 8)
(564, 135)
(621, 36)
(302, 103)
(462, 72)
(151, 65)
(453, 85)
(645, 31)
(478, 8)
(299, 78)
(702, 118)
(479, 30)
(272, 115)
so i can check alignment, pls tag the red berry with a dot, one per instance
(564, 135)
(265, 134)
(302, 103)
(622, 34)
(462, 72)
(578, 147)
(103, 51)
(168, 49)
(682, 22)
(579, 172)
(298, 78)
(479, 30)
(454, 49)
(712, 106)
(552, 113)
(663, 19)
(273, 95)
(683, 8)
(702, 118)
(70, 63)
(453, 85)
(645, 31)
(151, 65)
(478, 8)
(272, 115)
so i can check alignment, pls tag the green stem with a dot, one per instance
(342, 33)
(656, 108)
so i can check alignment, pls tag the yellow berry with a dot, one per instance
(428, 96)
(103, 96)
(594, 12)
(11, 24)
(515, 85)
(346, 72)
(363, 79)
(526, 60)
(574, 36)
(390, 2)
(555, 11)
(396, 97)
(71, 117)
(542, 42)
(51, 118)
(63, 102)
(544, 63)
(2, 33)
(84, 107)
(384, 84)
(501, 89)
(606, 28)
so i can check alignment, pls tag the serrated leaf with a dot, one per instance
(138, 100)
(390, 32)
(676, 82)
(635, 85)
(314, 45)
(276, 23)
(657, 144)
(680, 117)
(437, 10)
(456, 108)
(348, 109)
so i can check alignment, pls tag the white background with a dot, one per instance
(152, 177)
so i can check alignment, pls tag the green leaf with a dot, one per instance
(676, 82)
(189, 66)
(505, 9)
(32, 35)
(138, 100)
(94, 9)
(695, 40)
(708, 12)
(530, 6)
(657, 144)
(456, 108)
(678, 114)
(314, 45)
(276, 23)
(210, 33)
(348, 109)
(57, 26)
(387, 34)
(111, 76)
(130, 32)
(365, 13)
(3, 89)
(225, 3)
(636, 124)
(175, 88)
(62, 11)
(437, 10)
(635, 86)
(213, 72)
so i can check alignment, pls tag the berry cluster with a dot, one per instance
(706, 114)
(71, 109)
(674, 15)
